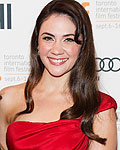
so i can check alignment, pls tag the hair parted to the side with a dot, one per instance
(83, 77)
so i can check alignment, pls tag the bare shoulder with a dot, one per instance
(11, 99)
(12, 89)
(105, 126)
(11, 102)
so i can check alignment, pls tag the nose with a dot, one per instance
(57, 48)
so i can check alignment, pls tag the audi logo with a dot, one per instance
(108, 64)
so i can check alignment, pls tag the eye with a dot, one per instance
(47, 38)
(69, 40)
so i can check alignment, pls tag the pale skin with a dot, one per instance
(55, 76)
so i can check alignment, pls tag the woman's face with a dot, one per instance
(57, 48)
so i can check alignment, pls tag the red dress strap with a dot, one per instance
(107, 102)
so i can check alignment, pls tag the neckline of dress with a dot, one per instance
(52, 122)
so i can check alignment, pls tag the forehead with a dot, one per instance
(58, 23)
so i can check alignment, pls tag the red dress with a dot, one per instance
(59, 135)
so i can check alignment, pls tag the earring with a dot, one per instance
(38, 52)
(38, 47)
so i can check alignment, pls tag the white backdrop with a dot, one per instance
(15, 42)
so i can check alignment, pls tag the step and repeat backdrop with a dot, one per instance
(17, 20)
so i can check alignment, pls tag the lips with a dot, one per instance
(57, 61)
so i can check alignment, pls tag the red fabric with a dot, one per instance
(59, 135)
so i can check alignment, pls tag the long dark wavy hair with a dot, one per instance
(83, 77)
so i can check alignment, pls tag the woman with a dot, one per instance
(60, 106)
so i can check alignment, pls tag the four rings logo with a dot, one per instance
(108, 64)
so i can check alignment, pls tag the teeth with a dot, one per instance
(58, 60)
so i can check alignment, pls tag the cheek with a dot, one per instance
(43, 49)
(74, 52)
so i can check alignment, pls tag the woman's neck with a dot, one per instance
(51, 83)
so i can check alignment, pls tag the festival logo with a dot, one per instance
(5, 16)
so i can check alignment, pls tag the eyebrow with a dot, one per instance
(54, 36)
(68, 35)
(48, 34)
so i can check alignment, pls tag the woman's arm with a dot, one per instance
(11, 102)
(7, 105)
(1, 147)
(3, 120)
(105, 126)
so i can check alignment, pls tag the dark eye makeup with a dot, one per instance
(47, 38)
(69, 40)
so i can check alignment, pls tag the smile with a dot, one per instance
(57, 62)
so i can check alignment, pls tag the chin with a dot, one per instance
(58, 74)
